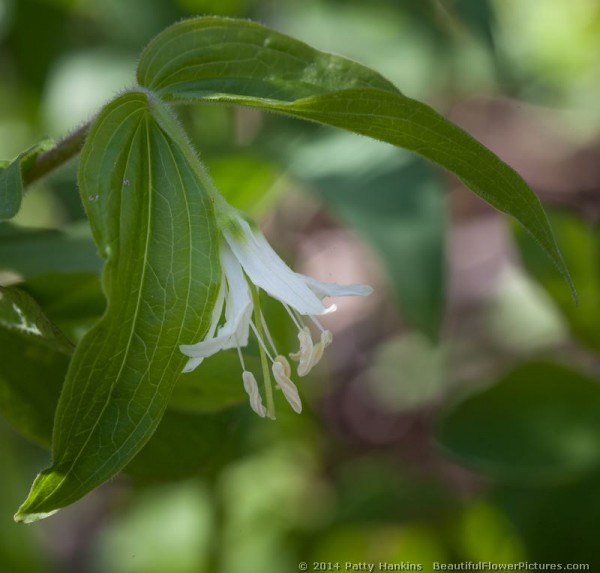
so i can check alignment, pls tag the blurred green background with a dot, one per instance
(457, 415)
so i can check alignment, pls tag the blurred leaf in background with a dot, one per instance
(396, 204)
(580, 241)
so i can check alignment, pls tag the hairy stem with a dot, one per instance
(49, 160)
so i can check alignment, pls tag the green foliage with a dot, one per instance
(161, 272)
(540, 422)
(11, 179)
(243, 63)
(580, 244)
(33, 252)
(402, 217)
(33, 350)
(150, 206)
(557, 524)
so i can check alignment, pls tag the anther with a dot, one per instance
(281, 371)
(251, 388)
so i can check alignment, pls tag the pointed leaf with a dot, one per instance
(11, 179)
(35, 356)
(32, 252)
(11, 190)
(244, 63)
(153, 222)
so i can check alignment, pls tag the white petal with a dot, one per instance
(214, 321)
(267, 271)
(322, 289)
(238, 310)
(192, 364)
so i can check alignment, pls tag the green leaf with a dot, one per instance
(11, 179)
(479, 16)
(11, 190)
(240, 62)
(246, 181)
(187, 443)
(540, 422)
(72, 301)
(558, 524)
(35, 356)
(580, 244)
(153, 221)
(215, 384)
(32, 252)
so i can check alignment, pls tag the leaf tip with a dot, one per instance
(38, 504)
(23, 516)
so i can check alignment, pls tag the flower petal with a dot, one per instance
(238, 310)
(268, 271)
(323, 289)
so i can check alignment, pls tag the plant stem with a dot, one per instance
(49, 160)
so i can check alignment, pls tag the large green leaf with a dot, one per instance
(540, 422)
(32, 371)
(153, 221)
(244, 63)
(35, 356)
(32, 252)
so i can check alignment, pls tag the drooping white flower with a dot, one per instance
(248, 264)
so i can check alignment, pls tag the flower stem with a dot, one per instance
(263, 355)
(64, 150)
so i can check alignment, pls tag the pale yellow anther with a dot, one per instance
(326, 339)
(251, 388)
(304, 355)
(281, 372)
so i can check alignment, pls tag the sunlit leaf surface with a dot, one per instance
(244, 63)
(153, 222)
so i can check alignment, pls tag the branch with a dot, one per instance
(49, 160)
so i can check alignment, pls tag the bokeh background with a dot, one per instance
(456, 416)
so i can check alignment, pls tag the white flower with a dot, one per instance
(249, 263)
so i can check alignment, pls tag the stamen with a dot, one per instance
(281, 371)
(304, 356)
(241, 356)
(326, 339)
(262, 345)
(267, 333)
(318, 324)
(263, 352)
(251, 388)
(298, 322)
